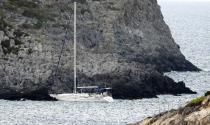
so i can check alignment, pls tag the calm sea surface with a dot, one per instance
(190, 26)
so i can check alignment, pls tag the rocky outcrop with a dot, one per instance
(124, 44)
(40, 94)
(196, 112)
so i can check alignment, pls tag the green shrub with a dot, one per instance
(14, 50)
(17, 42)
(14, 5)
(31, 9)
(6, 5)
(38, 24)
(5, 43)
(35, 13)
(7, 49)
(18, 33)
(196, 101)
(207, 93)
(30, 51)
(1, 13)
(23, 3)
(42, 16)
(4, 24)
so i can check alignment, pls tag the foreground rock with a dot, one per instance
(123, 44)
(196, 112)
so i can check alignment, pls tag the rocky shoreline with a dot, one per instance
(123, 44)
(196, 112)
(37, 95)
(155, 84)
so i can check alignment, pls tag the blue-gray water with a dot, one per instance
(190, 26)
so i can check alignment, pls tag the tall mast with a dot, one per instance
(75, 47)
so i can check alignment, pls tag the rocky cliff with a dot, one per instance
(196, 112)
(124, 44)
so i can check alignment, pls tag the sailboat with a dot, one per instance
(81, 96)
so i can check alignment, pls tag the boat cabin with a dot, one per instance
(94, 89)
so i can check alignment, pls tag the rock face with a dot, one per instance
(196, 112)
(124, 44)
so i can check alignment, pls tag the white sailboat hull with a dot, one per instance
(82, 97)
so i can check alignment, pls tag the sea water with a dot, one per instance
(190, 26)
